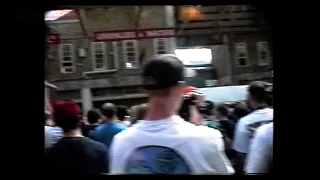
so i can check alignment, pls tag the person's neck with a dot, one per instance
(159, 109)
(73, 133)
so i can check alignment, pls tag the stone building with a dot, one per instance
(101, 49)
(95, 53)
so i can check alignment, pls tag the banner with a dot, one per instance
(134, 34)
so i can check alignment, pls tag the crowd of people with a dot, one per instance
(176, 132)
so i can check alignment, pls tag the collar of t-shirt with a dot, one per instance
(159, 125)
(265, 114)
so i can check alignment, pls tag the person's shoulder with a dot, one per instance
(207, 131)
(128, 133)
(207, 138)
(100, 127)
(244, 120)
(265, 130)
(121, 126)
(203, 136)
(262, 113)
(94, 144)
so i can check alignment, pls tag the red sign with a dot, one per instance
(52, 39)
(134, 34)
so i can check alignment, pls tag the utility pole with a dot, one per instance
(86, 96)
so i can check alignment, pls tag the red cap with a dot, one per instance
(63, 109)
(189, 89)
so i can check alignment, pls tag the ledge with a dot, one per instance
(101, 72)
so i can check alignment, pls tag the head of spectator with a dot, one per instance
(122, 112)
(163, 79)
(221, 112)
(140, 113)
(67, 115)
(257, 97)
(94, 116)
(109, 111)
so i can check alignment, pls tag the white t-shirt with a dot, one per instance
(169, 146)
(242, 137)
(261, 150)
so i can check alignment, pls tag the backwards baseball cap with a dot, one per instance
(164, 71)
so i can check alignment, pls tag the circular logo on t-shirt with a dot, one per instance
(156, 160)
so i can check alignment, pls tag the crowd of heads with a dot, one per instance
(168, 96)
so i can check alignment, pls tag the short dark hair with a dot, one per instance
(93, 116)
(122, 112)
(67, 115)
(222, 109)
(109, 110)
(162, 71)
(257, 91)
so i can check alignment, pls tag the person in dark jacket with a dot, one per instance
(227, 125)
(74, 153)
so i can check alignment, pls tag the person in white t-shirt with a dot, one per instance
(260, 156)
(163, 143)
(257, 100)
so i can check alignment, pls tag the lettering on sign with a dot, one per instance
(134, 34)
(52, 39)
(65, 14)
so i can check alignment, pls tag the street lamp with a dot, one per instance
(189, 13)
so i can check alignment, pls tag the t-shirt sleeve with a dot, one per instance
(241, 138)
(258, 157)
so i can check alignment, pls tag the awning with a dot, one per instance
(46, 84)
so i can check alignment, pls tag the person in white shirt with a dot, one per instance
(51, 136)
(260, 156)
(257, 98)
(163, 143)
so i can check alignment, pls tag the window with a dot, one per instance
(67, 64)
(160, 45)
(130, 50)
(263, 53)
(241, 54)
(99, 56)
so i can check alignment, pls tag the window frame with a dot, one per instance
(61, 58)
(258, 48)
(237, 47)
(124, 51)
(156, 45)
(93, 56)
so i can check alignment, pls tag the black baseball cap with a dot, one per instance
(164, 71)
